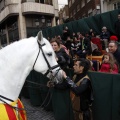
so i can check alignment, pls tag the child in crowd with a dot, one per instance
(109, 64)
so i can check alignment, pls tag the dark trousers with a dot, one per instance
(86, 115)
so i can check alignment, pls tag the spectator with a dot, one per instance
(81, 87)
(78, 35)
(68, 43)
(96, 41)
(115, 50)
(75, 45)
(114, 38)
(61, 56)
(87, 35)
(85, 46)
(109, 64)
(60, 39)
(66, 33)
(62, 101)
(104, 36)
(117, 27)
(90, 32)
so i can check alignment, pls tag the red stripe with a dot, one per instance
(10, 112)
(22, 112)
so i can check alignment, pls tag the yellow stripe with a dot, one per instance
(3, 113)
(18, 112)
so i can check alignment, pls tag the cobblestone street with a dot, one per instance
(36, 113)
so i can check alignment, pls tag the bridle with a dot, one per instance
(49, 67)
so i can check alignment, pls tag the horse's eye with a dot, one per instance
(49, 54)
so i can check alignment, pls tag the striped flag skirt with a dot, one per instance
(9, 113)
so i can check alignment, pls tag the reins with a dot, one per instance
(48, 71)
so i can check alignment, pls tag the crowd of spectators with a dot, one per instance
(72, 51)
(81, 45)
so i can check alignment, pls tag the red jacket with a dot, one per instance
(97, 42)
(105, 67)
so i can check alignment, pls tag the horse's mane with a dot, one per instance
(11, 51)
(15, 46)
(14, 51)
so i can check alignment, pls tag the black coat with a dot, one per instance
(63, 58)
(117, 27)
(87, 45)
(117, 55)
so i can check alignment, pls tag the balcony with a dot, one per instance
(29, 7)
(11, 9)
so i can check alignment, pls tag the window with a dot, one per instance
(88, 1)
(73, 1)
(83, 16)
(78, 7)
(30, 0)
(116, 5)
(74, 12)
(82, 3)
(71, 15)
(2, 4)
(69, 3)
(90, 12)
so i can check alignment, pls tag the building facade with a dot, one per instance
(83, 8)
(21, 18)
(63, 14)
(108, 5)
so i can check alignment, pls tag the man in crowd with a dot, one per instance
(104, 36)
(117, 27)
(115, 49)
(85, 46)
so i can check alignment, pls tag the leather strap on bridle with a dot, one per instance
(6, 98)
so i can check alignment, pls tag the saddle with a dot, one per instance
(9, 113)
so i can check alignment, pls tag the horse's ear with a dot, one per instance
(40, 36)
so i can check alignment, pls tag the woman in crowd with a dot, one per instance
(61, 56)
(61, 103)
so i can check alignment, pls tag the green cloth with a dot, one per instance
(106, 91)
(85, 24)
(61, 104)
(59, 100)
(37, 93)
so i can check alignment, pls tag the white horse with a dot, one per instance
(18, 59)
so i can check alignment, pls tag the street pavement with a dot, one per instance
(36, 113)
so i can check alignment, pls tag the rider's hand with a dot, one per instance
(64, 74)
(50, 84)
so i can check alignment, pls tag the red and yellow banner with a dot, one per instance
(9, 113)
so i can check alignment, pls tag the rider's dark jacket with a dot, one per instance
(83, 90)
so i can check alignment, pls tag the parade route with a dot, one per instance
(36, 113)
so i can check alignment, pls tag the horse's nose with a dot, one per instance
(59, 77)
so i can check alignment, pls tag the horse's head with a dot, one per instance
(45, 60)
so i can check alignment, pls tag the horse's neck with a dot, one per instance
(15, 67)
